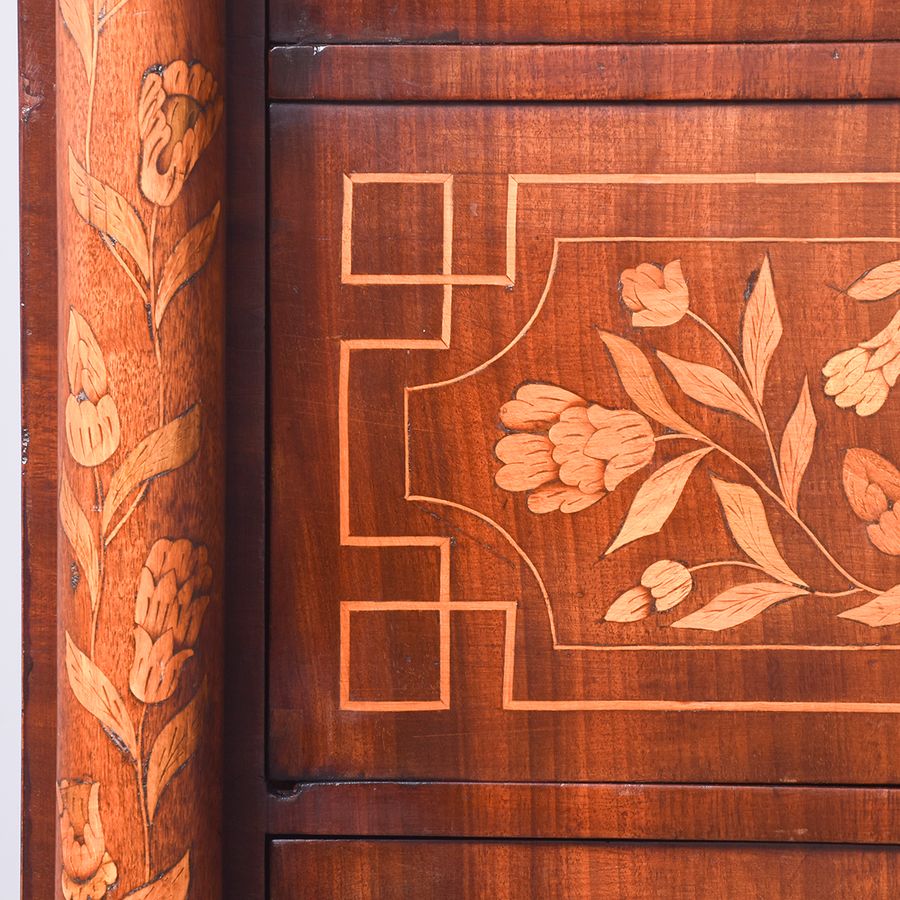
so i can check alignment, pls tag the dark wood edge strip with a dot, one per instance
(578, 72)
(37, 147)
(245, 793)
(590, 811)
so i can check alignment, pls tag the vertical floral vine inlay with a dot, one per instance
(178, 112)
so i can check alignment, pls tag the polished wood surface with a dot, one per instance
(589, 72)
(373, 630)
(578, 21)
(140, 178)
(244, 850)
(38, 264)
(432, 870)
(460, 617)
(697, 812)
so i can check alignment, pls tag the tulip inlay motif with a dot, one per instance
(178, 113)
(566, 453)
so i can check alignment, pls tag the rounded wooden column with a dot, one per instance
(140, 177)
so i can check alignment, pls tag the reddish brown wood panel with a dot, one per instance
(581, 21)
(372, 870)
(400, 335)
(591, 811)
(586, 72)
(37, 93)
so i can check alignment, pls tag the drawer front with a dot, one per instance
(520, 871)
(583, 442)
(577, 21)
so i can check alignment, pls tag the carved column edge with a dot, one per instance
(140, 230)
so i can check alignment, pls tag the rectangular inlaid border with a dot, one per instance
(444, 605)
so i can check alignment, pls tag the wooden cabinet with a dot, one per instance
(560, 459)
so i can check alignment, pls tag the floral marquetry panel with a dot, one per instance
(140, 190)
(595, 410)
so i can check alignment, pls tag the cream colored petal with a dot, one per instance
(559, 497)
(618, 431)
(673, 277)
(199, 82)
(583, 472)
(84, 433)
(885, 353)
(891, 369)
(861, 387)
(175, 77)
(624, 438)
(156, 622)
(669, 583)
(161, 188)
(537, 406)
(73, 360)
(632, 606)
(110, 429)
(885, 534)
(528, 462)
(145, 589)
(157, 556)
(570, 435)
(664, 312)
(188, 628)
(887, 334)
(873, 398)
(180, 558)
(150, 103)
(852, 360)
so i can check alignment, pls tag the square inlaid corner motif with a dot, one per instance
(681, 445)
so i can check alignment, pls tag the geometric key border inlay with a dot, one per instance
(444, 605)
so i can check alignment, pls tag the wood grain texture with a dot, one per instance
(244, 799)
(391, 417)
(590, 72)
(366, 870)
(583, 21)
(37, 92)
(140, 186)
(590, 811)
(397, 652)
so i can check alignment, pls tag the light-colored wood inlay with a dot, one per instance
(444, 604)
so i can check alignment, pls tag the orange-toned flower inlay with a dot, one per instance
(656, 296)
(179, 111)
(92, 419)
(566, 452)
(663, 586)
(864, 375)
(872, 486)
(87, 869)
(172, 597)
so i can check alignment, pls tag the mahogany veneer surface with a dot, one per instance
(366, 870)
(426, 264)
(426, 620)
(588, 21)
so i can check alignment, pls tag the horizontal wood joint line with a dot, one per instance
(599, 811)
(585, 72)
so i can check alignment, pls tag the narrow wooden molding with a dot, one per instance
(684, 812)
(578, 21)
(38, 257)
(140, 235)
(586, 72)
